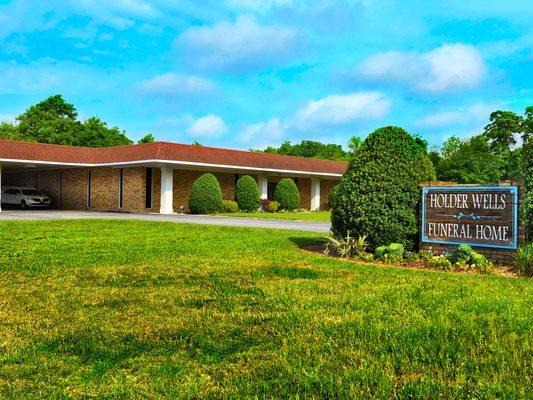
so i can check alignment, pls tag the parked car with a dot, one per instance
(24, 197)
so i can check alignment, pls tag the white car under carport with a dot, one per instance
(24, 197)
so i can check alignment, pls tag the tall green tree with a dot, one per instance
(148, 138)
(309, 149)
(467, 161)
(53, 120)
(95, 133)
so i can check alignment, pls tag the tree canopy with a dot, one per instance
(55, 121)
(309, 149)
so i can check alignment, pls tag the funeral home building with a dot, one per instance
(154, 177)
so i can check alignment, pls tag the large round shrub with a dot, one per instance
(205, 196)
(287, 195)
(247, 194)
(378, 193)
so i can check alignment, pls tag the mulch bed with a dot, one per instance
(318, 248)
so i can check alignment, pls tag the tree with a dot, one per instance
(354, 143)
(95, 133)
(378, 193)
(309, 149)
(503, 129)
(53, 120)
(195, 143)
(148, 138)
(469, 161)
(9, 131)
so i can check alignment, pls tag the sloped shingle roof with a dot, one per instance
(164, 151)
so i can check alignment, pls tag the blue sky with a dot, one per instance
(251, 73)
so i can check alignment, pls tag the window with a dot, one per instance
(120, 191)
(149, 187)
(31, 192)
(12, 191)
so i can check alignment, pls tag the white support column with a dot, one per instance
(167, 190)
(262, 182)
(315, 194)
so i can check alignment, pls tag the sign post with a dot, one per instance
(485, 217)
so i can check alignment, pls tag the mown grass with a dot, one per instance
(319, 216)
(131, 309)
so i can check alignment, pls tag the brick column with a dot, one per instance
(167, 190)
(315, 194)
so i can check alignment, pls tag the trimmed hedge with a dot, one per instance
(378, 193)
(230, 206)
(205, 196)
(247, 194)
(287, 195)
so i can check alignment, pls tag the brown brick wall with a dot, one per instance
(48, 183)
(105, 181)
(304, 187)
(325, 188)
(73, 189)
(104, 189)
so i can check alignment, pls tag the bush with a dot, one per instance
(247, 194)
(524, 259)
(264, 204)
(463, 257)
(462, 253)
(440, 262)
(480, 263)
(346, 247)
(332, 199)
(205, 196)
(272, 207)
(230, 206)
(378, 193)
(287, 195)
(392, 253)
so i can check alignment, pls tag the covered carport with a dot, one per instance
(21, 174)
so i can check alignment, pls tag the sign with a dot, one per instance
(485, 216)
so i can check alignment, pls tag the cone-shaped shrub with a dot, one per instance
(247, 194)
(287, 195)
(205, 196)
(378, 193)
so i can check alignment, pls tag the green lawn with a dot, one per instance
(131, 309)
(324, 216)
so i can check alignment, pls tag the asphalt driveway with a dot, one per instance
(307, 226)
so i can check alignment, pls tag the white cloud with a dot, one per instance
(473, 115)
(261, 5)
(241, 44)
(16, 78)
(448, 67)
(269, 131)
(341, 109)
(172, 84)
(208, 126)
(7, 118)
